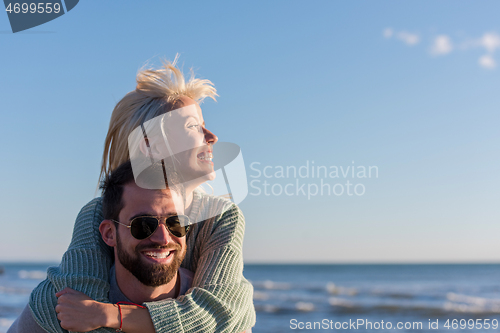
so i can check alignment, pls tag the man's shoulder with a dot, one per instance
(186, 277)
(25, 323)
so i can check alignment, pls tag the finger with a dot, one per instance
(66, 290)
(62, 292)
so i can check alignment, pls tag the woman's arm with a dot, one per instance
(78, 312)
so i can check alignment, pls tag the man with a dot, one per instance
(147, 230)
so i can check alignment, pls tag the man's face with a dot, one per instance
(153, 261)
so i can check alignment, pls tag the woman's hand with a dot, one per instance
(78, 312)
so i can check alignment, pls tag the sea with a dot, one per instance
(350, 297)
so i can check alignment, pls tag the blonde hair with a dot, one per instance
(158, 91)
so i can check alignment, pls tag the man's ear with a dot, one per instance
(108, 232)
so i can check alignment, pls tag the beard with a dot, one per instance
(152, 275)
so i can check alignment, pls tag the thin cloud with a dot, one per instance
(408, 38)
(388, 32)
(404, 36)
(487, 62)
(490, 41)
(442, 45)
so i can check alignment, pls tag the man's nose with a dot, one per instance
(161, 235)
(210, 137)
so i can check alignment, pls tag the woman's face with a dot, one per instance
(190, 142)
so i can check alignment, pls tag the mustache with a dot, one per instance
(154, 246)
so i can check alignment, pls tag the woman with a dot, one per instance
(220, 301)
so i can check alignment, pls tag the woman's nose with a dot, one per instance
(210, 137)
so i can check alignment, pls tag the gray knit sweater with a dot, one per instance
(221, 298)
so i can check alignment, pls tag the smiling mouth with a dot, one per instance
(205, 156)
(162, 256)
(157, 255)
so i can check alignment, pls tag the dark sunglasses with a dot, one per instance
(143, 227)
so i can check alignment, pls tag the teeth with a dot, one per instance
(158, 255)
(206, 157)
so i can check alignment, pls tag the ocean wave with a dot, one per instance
(332, 288)
(269, 308)
(304, 306)
(341, 302)
(271, 285)
(14, 290)
(471, 308)
(392, 294)
(32, 275)
(345, 305)
(285, 308)
(480, 301)
(258, 295)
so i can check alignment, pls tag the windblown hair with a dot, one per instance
(158, 91)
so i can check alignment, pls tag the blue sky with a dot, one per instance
(411, 88)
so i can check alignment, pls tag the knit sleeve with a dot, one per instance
(84, 267)
(221, 299)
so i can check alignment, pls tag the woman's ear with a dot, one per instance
(144, 147)
(154, 147)
(108, 232)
